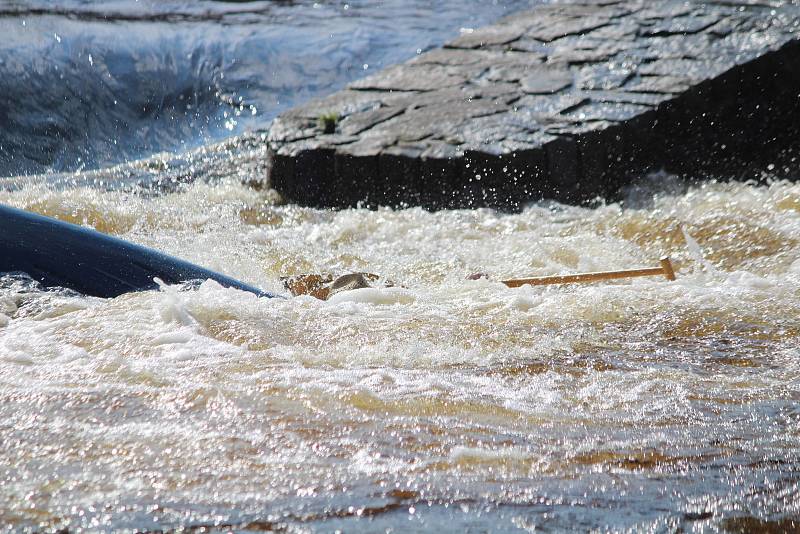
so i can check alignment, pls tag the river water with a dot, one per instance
(89, 83)
(438, 404)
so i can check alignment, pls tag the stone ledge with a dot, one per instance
(568, 101)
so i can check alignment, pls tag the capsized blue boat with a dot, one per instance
(60, 254)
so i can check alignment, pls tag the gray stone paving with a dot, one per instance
(570, 101)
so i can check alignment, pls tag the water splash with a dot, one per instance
(696, 252)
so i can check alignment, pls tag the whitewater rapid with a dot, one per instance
(440, 403)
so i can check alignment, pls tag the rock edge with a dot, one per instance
(568, 101)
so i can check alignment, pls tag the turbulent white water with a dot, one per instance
(445, 403)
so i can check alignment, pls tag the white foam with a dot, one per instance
(477, 455)
(373, 295)
(238, 393)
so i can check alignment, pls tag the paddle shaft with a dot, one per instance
(665, 270)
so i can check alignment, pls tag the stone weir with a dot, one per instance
(568, 101)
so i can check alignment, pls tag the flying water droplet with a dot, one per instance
(696, 252)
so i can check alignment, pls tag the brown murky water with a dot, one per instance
(447, 404)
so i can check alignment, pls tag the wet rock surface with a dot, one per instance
(569, 101)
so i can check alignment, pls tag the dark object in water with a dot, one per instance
(348, 282)
(324, 286)
(59, 254)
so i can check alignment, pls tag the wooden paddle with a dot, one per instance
(666, 270)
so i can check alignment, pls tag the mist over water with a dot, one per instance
(438, 404)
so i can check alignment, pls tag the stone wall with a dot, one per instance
(569, 101)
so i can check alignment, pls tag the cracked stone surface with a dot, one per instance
(570, 100)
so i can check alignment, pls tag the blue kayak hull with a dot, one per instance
(59, 254)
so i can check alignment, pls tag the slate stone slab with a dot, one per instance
(571, 100)
(546, 81)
